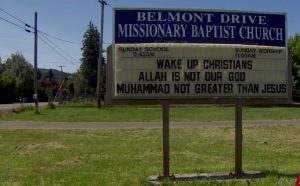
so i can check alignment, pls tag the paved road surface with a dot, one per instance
(131, 125)
(16, 105)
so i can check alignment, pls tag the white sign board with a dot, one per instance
(199, 71)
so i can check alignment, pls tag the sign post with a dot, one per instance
(166, 150)
(238, 140)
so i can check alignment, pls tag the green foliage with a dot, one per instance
(48, 86)
(2, 67)
(51, 105)
(17, 67)
(7, 88)
(22, 70)
(71, 88)
(78, 83)
(82, 103)
(294, 47)
(50, 74)
(90, 54)
(23, 108)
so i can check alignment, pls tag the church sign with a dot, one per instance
(199, 26)
(161, 54)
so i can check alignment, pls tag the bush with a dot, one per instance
(81, 103)
(23, 108)
(51, 105)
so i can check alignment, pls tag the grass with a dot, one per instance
(126, 157)
(133, 114)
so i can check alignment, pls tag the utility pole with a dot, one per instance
(61, 83)
(100, 59)
(35, 95)
(61, 71)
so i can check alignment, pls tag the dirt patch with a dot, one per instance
(55, 145)
(6, 112)
(35, 148)
(75, 161)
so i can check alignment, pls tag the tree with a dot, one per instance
(90, 54)
(48, 86)
(2, 67)
(17, 66)
(78, 83)
(7, 87)
(50, 74)
(294, 47)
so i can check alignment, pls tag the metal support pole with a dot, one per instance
(35, 96)
(100, 60)
(238, 139)
(290, 76)
(166, 151)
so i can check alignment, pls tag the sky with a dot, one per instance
(69, 19)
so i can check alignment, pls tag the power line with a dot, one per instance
(45, 33)
(57, 52)
(45, 37)
(57, 38)
(49, 62)
(27, 25)
(10, 22)
(15, 18)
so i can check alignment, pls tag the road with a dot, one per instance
(133, 125)
(16, 105)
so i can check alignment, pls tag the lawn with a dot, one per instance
(154, 113)
(126, 157)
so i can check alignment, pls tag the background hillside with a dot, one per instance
(56, 74)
